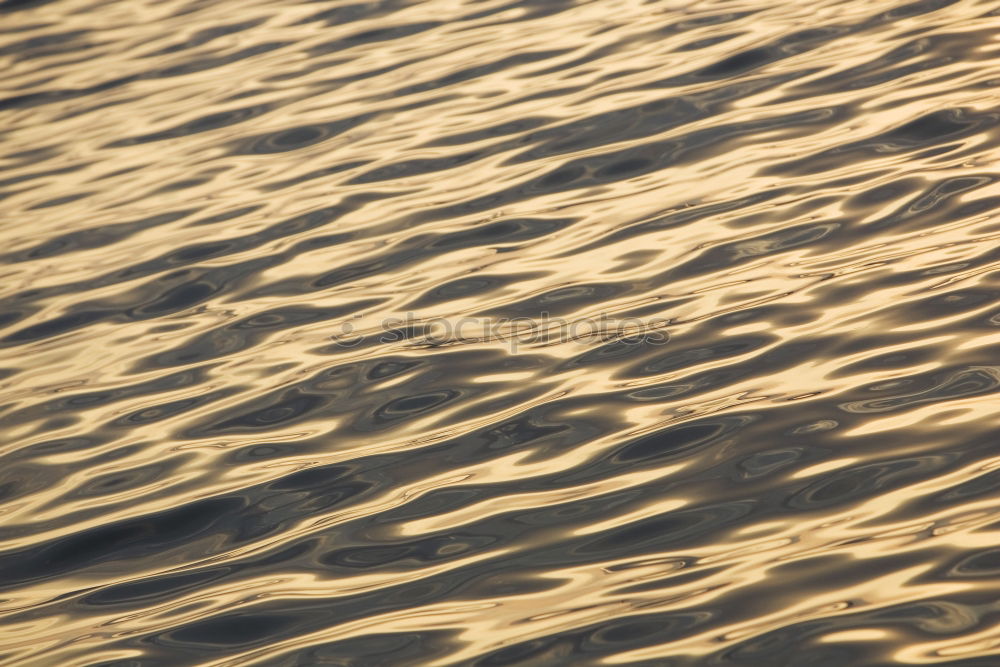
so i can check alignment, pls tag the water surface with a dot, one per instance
(796, 463)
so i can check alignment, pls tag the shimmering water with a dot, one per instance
(229, 439)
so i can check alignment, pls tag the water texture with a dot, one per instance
(796, 464)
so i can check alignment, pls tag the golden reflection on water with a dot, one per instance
(196, 197)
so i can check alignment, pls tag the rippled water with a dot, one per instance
(797, 462)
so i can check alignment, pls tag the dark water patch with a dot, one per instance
(294, 138)
(203, 124)
(206, 36)
(120, 540)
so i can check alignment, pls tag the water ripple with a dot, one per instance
(235, 433)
